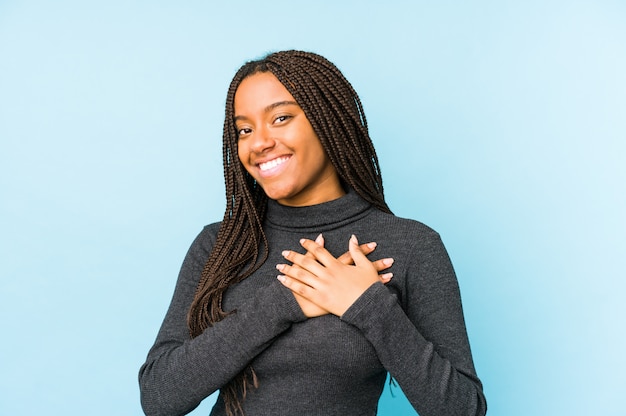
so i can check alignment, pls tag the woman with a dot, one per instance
(302, 184)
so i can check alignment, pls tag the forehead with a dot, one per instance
(258, 91)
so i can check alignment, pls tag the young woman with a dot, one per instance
(278, 306)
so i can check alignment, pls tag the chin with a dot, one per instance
(277, 195)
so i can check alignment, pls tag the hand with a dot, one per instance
(322, 283)
(312, 310)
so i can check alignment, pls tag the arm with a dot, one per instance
(180, 372)
(423, 343)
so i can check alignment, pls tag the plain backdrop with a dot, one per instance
(501, 124)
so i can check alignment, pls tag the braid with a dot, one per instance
(336, 114)
(335, 111)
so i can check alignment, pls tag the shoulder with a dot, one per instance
(410, 242)
(421, 260)
(403, 228)
(210, 230)
(204, 241)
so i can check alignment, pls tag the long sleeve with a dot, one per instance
(412, 327)
(180, 372)
(421, 338)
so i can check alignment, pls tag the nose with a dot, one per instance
(262, 140)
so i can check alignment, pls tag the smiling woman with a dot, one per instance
(278, 146)
(322, 337)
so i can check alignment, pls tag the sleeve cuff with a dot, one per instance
(369, 301)
(287, 303)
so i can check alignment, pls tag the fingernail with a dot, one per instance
(353, 239)
(371, 245)
(281, 278)
(386, 276)
(285, 253)
(280, 267)
(388, 262)
(302, 240)
(319, 239)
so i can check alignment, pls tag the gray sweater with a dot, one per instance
(412, 327)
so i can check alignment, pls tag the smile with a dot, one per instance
(273, 163)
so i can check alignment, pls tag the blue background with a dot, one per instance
(500, 124)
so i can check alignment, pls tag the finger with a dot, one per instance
(367, 248)
(355, 251)
(297, 273)
(307, 263)
(320, 241)
(386, 277)
(382, 264)
(295, 286)
(320, 253)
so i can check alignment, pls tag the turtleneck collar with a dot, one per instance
(320, 217)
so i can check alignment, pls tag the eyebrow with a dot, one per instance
(270, 108)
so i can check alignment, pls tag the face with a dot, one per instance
(278, 146)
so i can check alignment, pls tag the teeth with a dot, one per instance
(273, 163)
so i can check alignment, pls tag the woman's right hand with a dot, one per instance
(312, 310)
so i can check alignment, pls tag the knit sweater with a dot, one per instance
(412, 327)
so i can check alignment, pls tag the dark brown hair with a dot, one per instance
(335, 112)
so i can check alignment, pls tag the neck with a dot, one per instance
(321, 216)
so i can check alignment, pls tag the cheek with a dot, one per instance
(242, 155)
(317, 153)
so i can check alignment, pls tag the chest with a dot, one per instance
(324, 346)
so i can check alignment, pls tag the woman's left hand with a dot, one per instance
(325, 280)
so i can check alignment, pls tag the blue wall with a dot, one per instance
(501, 124)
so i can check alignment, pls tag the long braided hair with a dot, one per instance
(335, 112)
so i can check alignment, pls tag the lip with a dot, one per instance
(272, 166)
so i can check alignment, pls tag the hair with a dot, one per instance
(335, 112)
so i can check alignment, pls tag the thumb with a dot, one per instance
(355, 251)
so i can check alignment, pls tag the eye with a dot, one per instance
(281, 119)
(244, 131)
